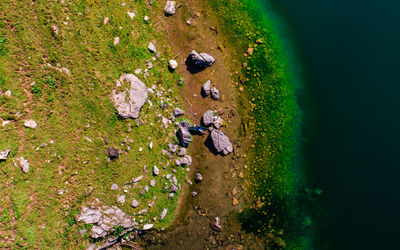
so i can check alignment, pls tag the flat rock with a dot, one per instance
(90, 216)
(170, 8)
(4, 154)
(163, 213)
(137, 179)
(147, 226)
(24, 164)
(208, 59)
(135, 203)
(221, 142)
(130, 101)
(30, 124)
(184, 136)
(114, 187)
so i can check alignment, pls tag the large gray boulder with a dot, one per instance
(200, 61)
(4, 154)
(208, 118)
(129, 102)
(184, 136)
(170, 8)
(221, 142)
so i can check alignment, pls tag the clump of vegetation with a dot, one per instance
(274, 120)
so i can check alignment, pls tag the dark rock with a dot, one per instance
(198, 177)
(184, 136)
(112, 152)
(200, 61)
(185, 124)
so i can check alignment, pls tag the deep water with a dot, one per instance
(347, 56)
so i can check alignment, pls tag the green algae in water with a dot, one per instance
(275, 208)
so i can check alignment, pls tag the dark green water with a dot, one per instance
(349, 53)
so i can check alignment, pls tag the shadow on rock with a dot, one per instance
(209, 144)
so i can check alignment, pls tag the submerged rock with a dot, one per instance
(129, 102)
(170, 8)
(221, 142)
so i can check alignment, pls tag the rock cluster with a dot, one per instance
(200, 61)
(105, 220)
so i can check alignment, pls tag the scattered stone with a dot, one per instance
(121, 199)
(30, 124)
(173, 189)
(194, 194)
(5, 123)
(234, 191)
(116, 41)
(152, 48)
(241, 175)
(189, 21)
(135, 204)
(170, 8)
(184, 136)
(143, 211)
(200, 61)
(208, 118)
(114, 187)
(7, 93)
(186, 161)
(216, 224)
(105, 21)
(152, 182)
(130, 107)
(221, 142)
(54, 29)
(172, 64)
(172, 148)
(215, 93)
(156, 171)
(163, 213)
(137, 179)
(198, 177)
(206, 89)
(151, 145)
(24, 164)
(4, 154)
(178, 112)
(171, 195)
(149, 64)
(185, 124)
(147, 226)
(146, 19)
(182, 152)
(250, 51)
(131, 14)
(235, 202)
(112, 152)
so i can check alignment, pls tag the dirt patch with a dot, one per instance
(191, 230)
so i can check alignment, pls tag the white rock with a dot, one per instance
(105, 21)
(163, 213)
(135, 203)
(131, 14)
(147, 226)
(116, 41)
(4, 154)
(152, 48)
(156, 171)
(151, 145)
(30, 124)
(5, 123)
(146, 19)
(24, 164)
(121, 199)
(170, 8)
(8, 93)
(172, 64)
(114, 187)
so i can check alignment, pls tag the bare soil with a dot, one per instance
(191, 229)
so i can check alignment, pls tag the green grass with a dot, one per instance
(69, 108)
(273, 120)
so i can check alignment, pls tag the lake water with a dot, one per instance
(349, 52)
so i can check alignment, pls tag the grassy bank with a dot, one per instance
(66, 153)
(273, 210)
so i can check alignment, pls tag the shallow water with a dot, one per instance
(349, 53)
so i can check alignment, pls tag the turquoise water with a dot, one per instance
(347, 55)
